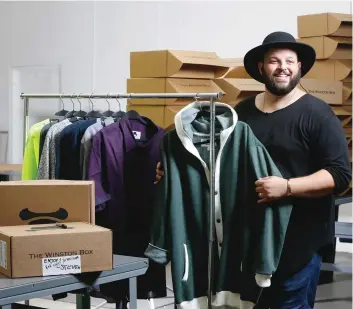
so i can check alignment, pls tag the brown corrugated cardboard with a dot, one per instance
(330, 47)
(176, 63)
(5, 168)
(236, 70)
(330, 24)
(330, 91)
(169, 114)
(46, 249)
(155, 113)
(238, 89)
(46, 201)
(169, 85)
(344, 114)
(331, 69)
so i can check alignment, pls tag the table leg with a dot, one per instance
(133, 293)
(83, 301)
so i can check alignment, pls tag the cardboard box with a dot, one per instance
(331, 69)
(162, 116)
(238, 89)
(6, 168)
(344, 114)
(330, 47)
(236, 68)
(330, 91)
(45, 250)
(169, 85)
(329, 24)
(46, 201)
(176, 63)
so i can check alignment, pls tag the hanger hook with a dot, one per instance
(73, 103)
(62, 102)
(118, 102)
(89, 98)
(79, 100)
(106, 98)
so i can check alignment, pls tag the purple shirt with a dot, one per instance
(122, 163)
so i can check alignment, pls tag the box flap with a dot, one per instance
(341, 111)
(236, 68)
(144, 62)
(49, 229)
(337, 21)
(330, 69)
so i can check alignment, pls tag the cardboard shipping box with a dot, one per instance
(169, 85)
(176, 63)
(46, 249)
(330, 47)
(344, 114)
(329, 24)
(46, 201)
(331, 91)
(236, 68)
(347, 94)
(238, 89)
(331, 69)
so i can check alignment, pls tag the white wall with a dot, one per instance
(91, 41)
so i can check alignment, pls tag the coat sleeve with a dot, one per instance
(266, 224)
(159, 246)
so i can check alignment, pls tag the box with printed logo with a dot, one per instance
(49, 249)
(46, 201)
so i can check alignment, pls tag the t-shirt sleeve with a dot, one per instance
(331, 149)
(158, 247)
(266, 225)
(95, 171)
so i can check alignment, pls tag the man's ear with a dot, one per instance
(260, 66)
(299, 64)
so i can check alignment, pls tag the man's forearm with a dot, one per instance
(318, 184)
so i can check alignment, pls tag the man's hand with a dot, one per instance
(159, 172)
(271, 188)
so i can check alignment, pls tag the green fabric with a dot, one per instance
(31, 154)
(253, 234)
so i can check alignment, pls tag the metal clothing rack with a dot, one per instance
(211, 97)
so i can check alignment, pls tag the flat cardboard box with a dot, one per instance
(169, 85)
(6, 168)
(331, 91)
(46, 249)
(169, 114)
(238, 89)
(330, 47)
(176, 63)
(46, 201)
(329, 24)
(331, 69)
(236, 68)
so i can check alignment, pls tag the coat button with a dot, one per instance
(216, 192)
(220, 244)
(218, 220)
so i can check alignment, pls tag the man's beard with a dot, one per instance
(280, 89)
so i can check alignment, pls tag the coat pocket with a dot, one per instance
(186, 264)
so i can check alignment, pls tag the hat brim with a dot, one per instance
(306, 55)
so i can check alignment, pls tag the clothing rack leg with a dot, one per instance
(25, 122)
(212, 205)
(133, 293)
(83, 301)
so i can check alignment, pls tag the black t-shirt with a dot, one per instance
(303, 138)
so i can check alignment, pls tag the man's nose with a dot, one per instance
(283, 66)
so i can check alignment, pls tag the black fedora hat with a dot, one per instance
(306, 54)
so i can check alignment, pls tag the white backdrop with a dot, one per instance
(90, 42)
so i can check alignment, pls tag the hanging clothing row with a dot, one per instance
(119, 154)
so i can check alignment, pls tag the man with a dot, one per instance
(307, 143)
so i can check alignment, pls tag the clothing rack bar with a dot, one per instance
(205, 96)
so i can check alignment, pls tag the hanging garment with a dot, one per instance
(122, 164)
(46, 169)
(86, 143)
(249, 236)
(31, 153)
(68, 164)
(43, 134)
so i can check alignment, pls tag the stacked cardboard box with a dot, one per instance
(330, 34)
(236, 83)
(171, 71)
